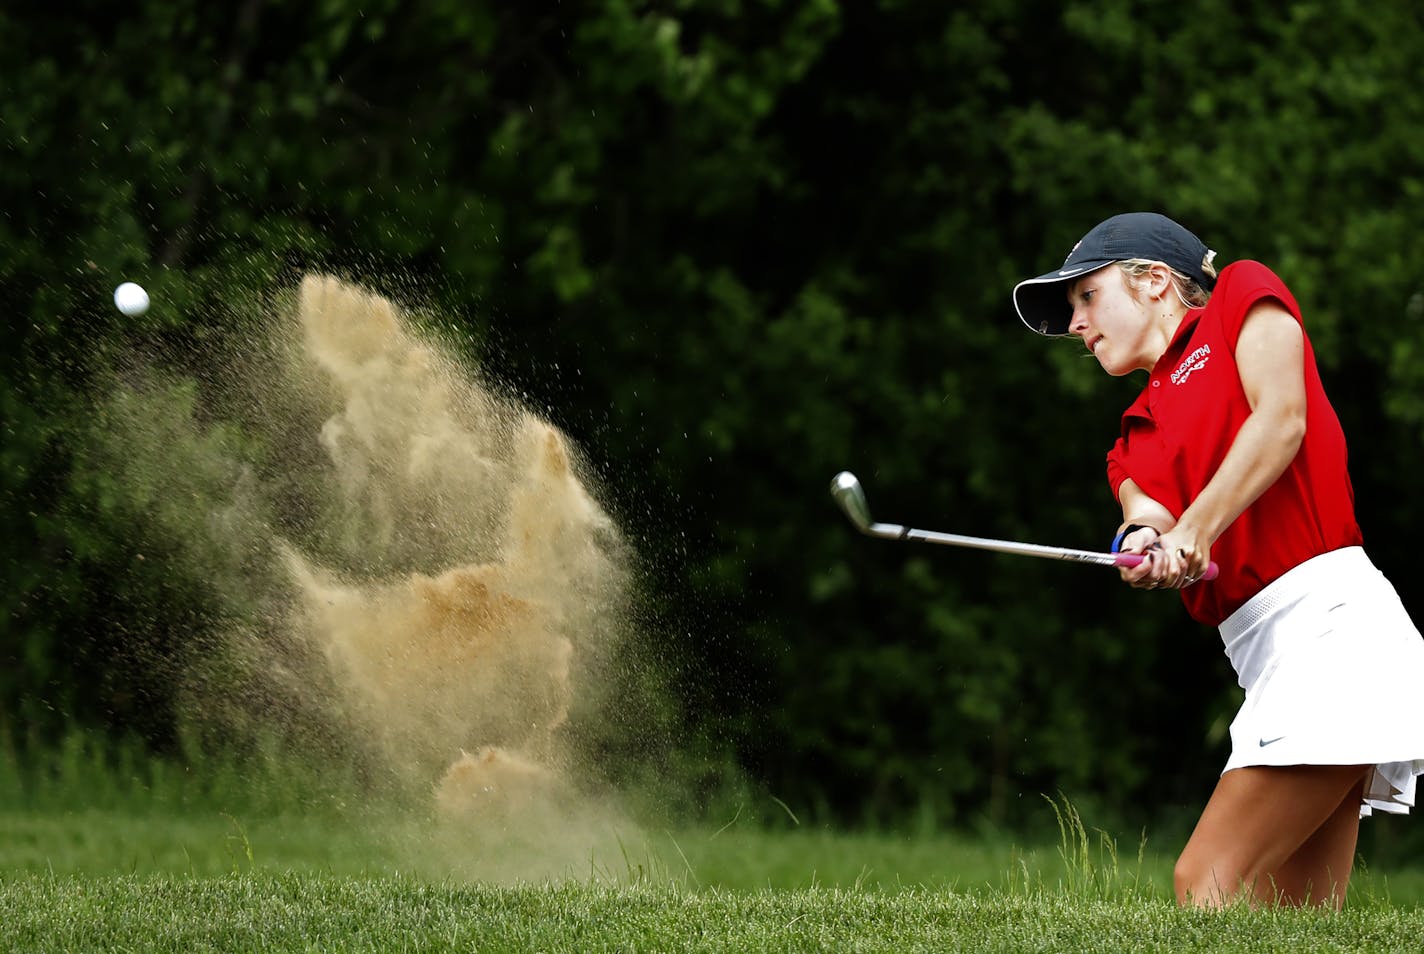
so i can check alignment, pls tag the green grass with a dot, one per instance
(98, 853)
(196, 880)
(329, 912)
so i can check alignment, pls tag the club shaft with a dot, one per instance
(848, 493)
(891, 531)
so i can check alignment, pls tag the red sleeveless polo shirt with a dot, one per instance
(1177, 432)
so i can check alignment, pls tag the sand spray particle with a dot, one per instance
(434, 579)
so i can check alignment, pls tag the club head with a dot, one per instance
(848, 493)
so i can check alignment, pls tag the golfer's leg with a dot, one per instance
(1319, 871)
(1256, 819)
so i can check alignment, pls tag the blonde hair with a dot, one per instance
(1188, 289)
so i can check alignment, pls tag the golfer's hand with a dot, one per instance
(1183, 558)
(1142, 541)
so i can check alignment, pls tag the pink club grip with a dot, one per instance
(1133, 559)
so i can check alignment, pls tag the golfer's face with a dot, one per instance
(1109, 319)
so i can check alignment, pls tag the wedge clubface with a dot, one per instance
(851, 497)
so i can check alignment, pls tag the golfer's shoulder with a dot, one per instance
(1248, 278)
(1245, 284)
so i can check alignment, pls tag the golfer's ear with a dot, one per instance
(1161, 279)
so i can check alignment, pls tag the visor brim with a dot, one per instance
(1042, 302)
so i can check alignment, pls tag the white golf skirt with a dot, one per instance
(1333, 670)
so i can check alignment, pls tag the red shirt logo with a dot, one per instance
(1191, 363)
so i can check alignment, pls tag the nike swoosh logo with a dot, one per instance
(1266, 742)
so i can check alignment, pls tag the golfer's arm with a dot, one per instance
(1270, 355)
(1140, 509)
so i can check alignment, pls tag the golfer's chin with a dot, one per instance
(1105, 362)
(1115, 368)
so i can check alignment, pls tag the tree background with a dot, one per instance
(731, 248)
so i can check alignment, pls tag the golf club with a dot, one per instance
(851, 497)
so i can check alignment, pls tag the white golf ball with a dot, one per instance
(131, 299)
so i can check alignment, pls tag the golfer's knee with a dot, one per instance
(1184, 879)
(1198, 883)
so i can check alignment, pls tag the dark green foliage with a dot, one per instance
(732, 248)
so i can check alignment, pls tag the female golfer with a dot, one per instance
(1233, 453)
